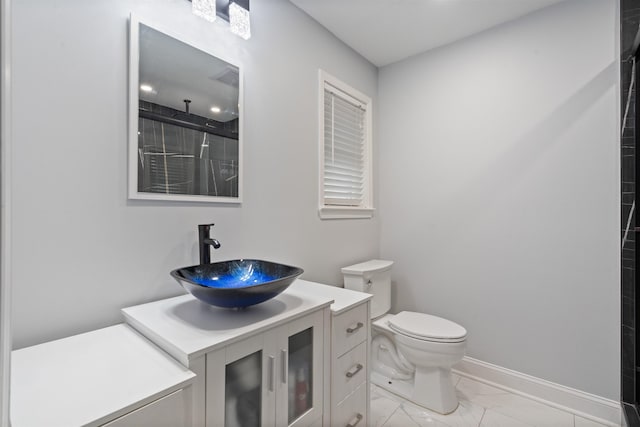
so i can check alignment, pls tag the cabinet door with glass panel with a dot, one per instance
(301, 379)
(272, 379)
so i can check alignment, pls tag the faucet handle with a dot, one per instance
(204, 228)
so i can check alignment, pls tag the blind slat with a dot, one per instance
(345, 183)
(343, 169)
(353, 169)
(348, 135)
(344, 154)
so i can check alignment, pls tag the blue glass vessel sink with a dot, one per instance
(236, 283)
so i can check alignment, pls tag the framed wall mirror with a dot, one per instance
(185, 120)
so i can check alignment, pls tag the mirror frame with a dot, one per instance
(133, 105)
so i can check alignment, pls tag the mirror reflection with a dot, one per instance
(188, 120)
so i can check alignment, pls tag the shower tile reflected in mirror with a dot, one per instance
(179, 160)
(185, 112)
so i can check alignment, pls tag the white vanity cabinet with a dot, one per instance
(300, 359)
(108, 377)
(349, 360)
(271, 379)
(173, 410)
(349, 367)
(263, 366)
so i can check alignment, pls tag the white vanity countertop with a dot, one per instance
(187, 328)
(90, 379)
(343, 299)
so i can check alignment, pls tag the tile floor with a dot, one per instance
(480, 406)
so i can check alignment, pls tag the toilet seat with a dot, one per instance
(427, 327)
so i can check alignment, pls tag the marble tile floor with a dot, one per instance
(481, 405)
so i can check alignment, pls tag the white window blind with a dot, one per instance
(345, 169)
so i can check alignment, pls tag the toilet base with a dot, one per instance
(435, 389)
(403, 388)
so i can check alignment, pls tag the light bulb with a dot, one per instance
(205, 9)
(239, 21)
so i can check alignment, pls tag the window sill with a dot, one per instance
(335, 212)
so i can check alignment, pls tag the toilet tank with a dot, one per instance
(373, 277)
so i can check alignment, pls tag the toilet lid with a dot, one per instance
(426, 327)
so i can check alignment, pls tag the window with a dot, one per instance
(345, 151)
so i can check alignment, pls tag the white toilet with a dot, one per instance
(411, 353)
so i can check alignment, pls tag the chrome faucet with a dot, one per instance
(205, 241)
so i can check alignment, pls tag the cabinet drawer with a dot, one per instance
(350, 329)
(170, 411)
(349, 371)
(353, 410)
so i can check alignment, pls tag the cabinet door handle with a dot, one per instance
(272, 373)
(355, 328)
(354, 370)
(354, 421)
(285, 365)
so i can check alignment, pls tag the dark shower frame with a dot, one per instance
(635, 53)
(630, 393)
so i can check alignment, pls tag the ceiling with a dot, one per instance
(387, 31)
(176, 71)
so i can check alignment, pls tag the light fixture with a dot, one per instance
(215, 109)
(235, 12)
(205, 9)
(146, 88)
(239, 20)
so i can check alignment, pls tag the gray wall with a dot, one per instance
(81, 250)
(5, 289)
(499, 191)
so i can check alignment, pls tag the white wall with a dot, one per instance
(81, 251)
(5, 231)
(499, 191)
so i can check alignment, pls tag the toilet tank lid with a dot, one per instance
(371, 266)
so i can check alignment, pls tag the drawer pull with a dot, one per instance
(272, 373)
(354, 421)
(285, 365)
(351, 372)
(355, 328)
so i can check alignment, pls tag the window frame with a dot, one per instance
(365, 209)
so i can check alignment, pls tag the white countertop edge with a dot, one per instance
(347, 308)
(199, 353)
(162, 344)
(139, 404)
(157, 322)
(344, 299)
(186, 356)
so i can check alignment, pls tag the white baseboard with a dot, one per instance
(586, 405)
